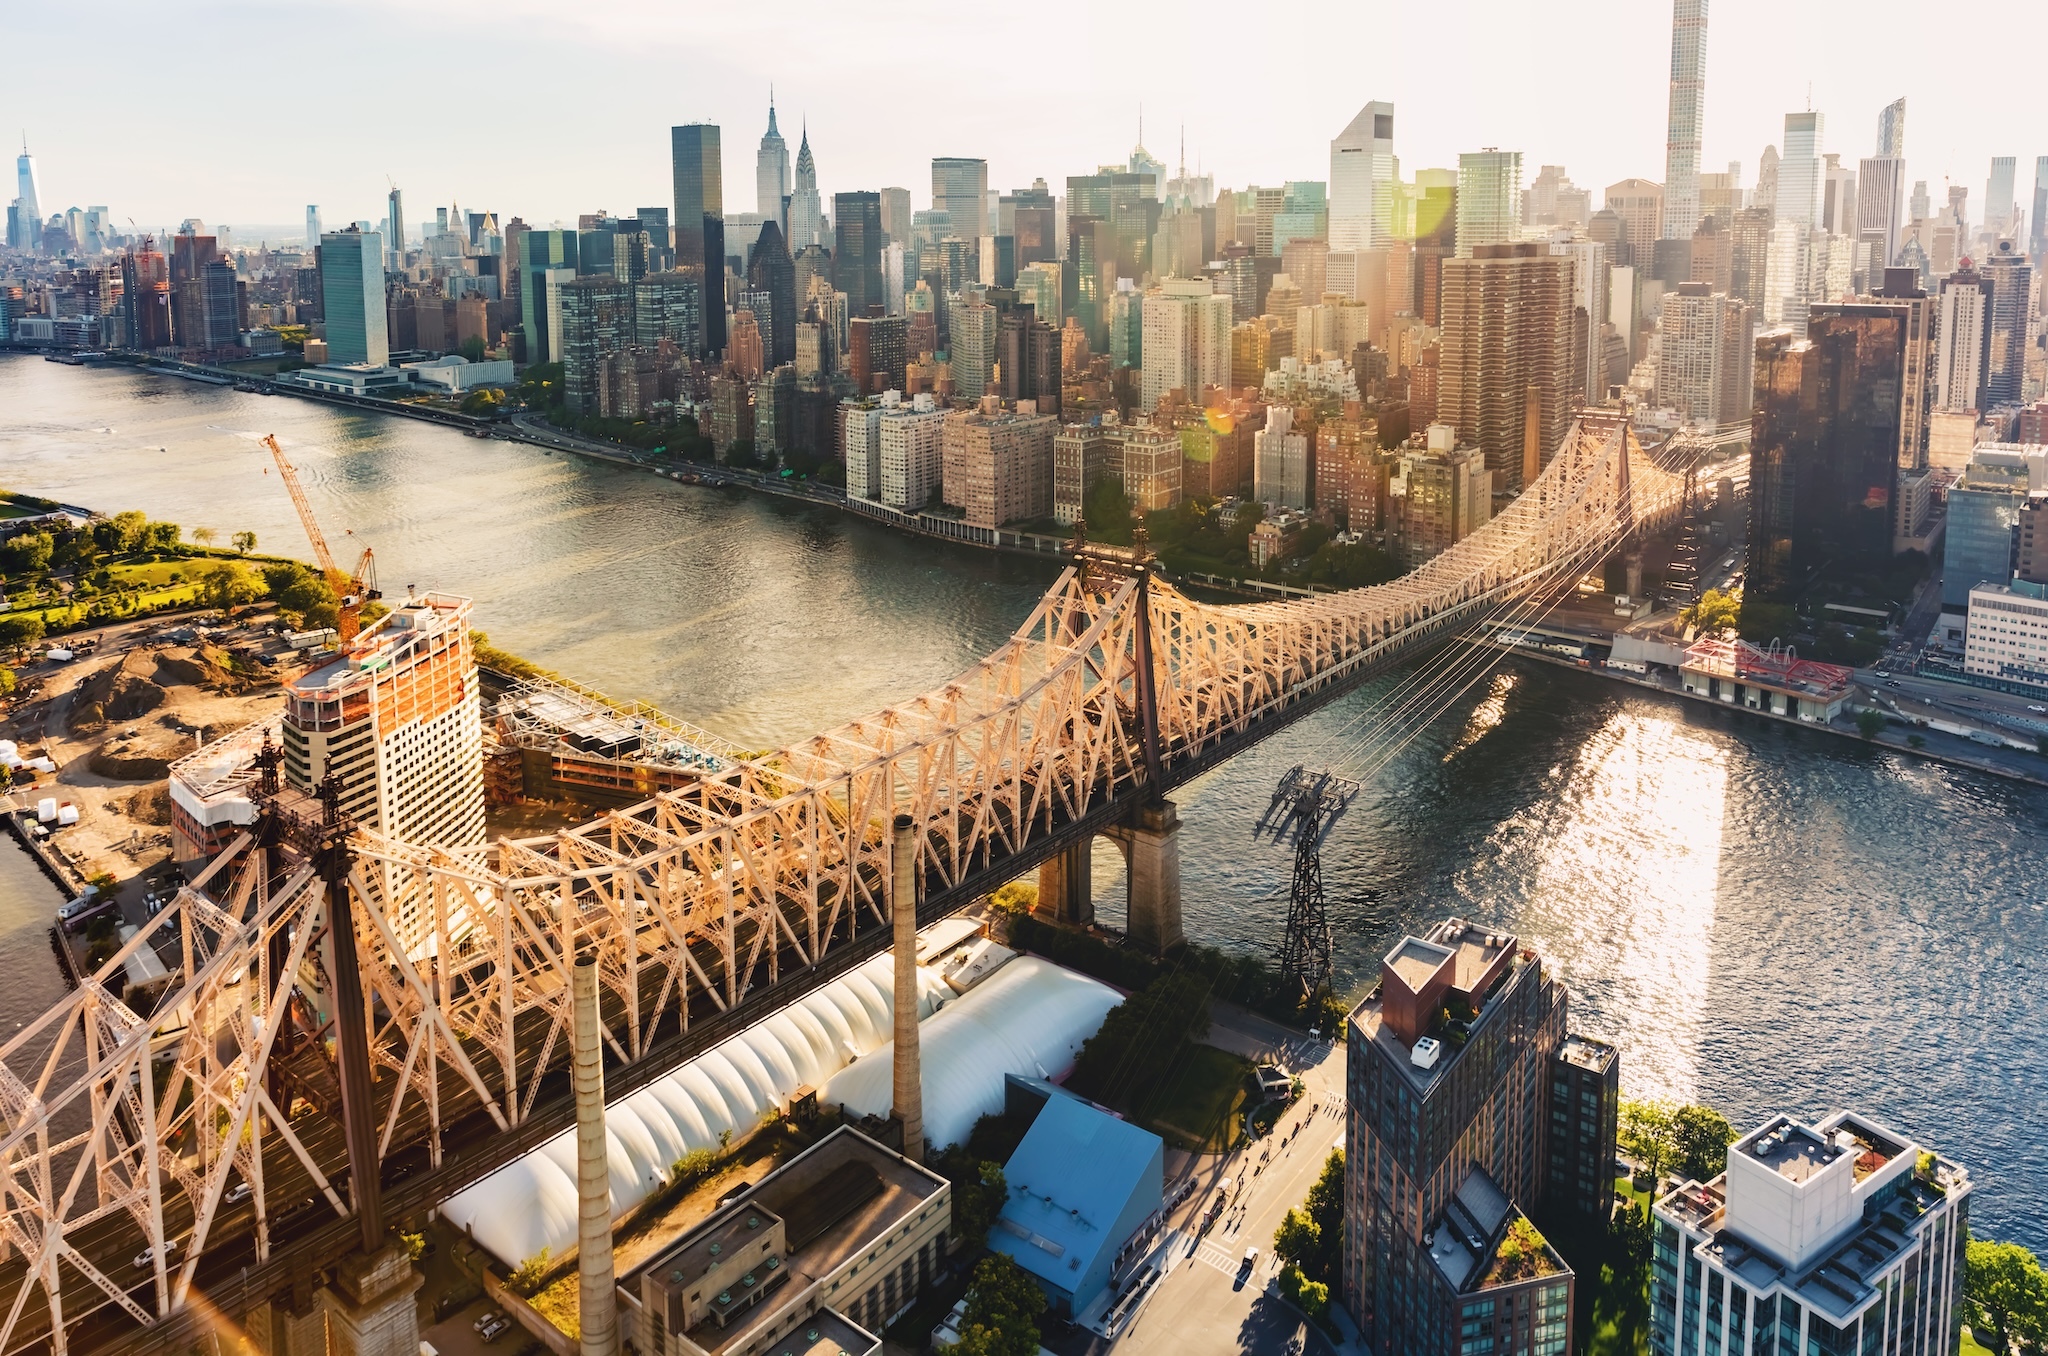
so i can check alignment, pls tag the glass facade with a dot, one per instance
(1979, 542)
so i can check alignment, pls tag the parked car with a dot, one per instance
(496, 1330)
(490, 1316)
(82, 910)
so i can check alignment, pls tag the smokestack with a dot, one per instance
(909, 1068)
(1532, 435)
(598, 1290)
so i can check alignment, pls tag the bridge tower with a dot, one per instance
(1304, 806)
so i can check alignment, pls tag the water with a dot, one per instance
(1761, 917)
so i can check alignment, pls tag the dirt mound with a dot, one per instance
(139, 756)
(122, 690)
(151, 805)
(176, 667)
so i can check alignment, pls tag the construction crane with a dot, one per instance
(353, 590)
(1304, 806)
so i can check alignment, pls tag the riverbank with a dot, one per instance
(1887, 739)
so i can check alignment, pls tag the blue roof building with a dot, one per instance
(1081, 1184)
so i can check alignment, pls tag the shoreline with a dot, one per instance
(1890, 745)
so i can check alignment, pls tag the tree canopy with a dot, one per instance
(1690, 1141)
(2007, 1294)
(1002, 1310)
(304, 597)
(1715, 611)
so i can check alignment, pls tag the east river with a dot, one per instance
(1762, 918)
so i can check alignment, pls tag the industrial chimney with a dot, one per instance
(598, 1289)
(909, 1068)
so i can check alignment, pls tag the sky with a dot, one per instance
(544, 110)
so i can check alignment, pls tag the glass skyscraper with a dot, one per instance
(700, 224)
(1686, 119)
(352, 297)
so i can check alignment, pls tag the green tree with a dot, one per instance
(1767, 621)
(8, 682)
(28, 553)
(228, 585)
(473, 349)
(120, 534)
(540, 386)
(483, 400)
(1700, 1137)
(245, 542)
(1647, 1131)
(1298, 1240)
(161, 536)
(205, 536)
(978, 1200)
(1715, 611)
(1107, 511)
(16, 631)
(1870, 722)
(303, 595)
(2007, 1295)
(1002, 1310)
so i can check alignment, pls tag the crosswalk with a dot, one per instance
(1212, 1254)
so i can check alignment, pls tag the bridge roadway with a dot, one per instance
(994, 807)
(309, 1237)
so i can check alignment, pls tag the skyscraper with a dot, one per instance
(597, 321)
(960, 189)
(27, 198)
(1799, 169)
(1362, 180)
(2010, 277)
(352, 296)
(1998, 195)
(770, 269)
(857, 252)
(1489, 199)
(312, 224)
(1686, 118)
(1880, 204)
(1186, 341)
(548, 262)
(394, 226)
(2038, 243)
(806, 209)
(1448, 1132)
(1962, 360)
(699, 223)
(1891, 129)
(1507, 326)
(896, 216)
(1704, 356)
(771, 171)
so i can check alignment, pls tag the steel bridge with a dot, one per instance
(208, 1134)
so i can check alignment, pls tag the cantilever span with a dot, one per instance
(702, 905)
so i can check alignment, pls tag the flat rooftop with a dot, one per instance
(835, 1200)
(384, 643)
(1415, 960)
(1792, 1151)
(1586, 1052)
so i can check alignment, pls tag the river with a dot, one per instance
(1761, 917)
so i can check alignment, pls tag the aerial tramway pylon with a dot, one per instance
(1304, 806)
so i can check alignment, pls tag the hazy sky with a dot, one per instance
(245, 112)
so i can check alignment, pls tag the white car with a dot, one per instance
(148, 1255)
(490, 1316)
(236, 1194)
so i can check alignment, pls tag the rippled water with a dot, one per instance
(1759, 916)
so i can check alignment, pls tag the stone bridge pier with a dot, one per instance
(1150, 843)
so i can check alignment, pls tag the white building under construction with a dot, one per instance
(395, 716)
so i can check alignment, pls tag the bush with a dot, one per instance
(527, 1277)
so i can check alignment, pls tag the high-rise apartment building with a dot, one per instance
(1507, 327)
(1686, 119)
(1079, 456)
(875, 352)
(998, 464)
(352, 297)
(960, 190)
(2011, 277)
(699, 224)
(857, 255)
(1705, 356)
(1489, 199)
(1149, 461)
(771, 171)
(1962, 362)
(1880, 207)
(395, 718)
(1800, 168)
(971, 335)
(1186, 341)
(1438, 493)
(910, 451)
(1281, 470)
(1028, 359)
(597, 322)
(668, 306)
(1362, 172)
(1448, 1083)
(1837, 1236)
(1639, 204)
(1585, 1116)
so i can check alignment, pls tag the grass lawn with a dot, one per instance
(1972, 1347)
(1619, 1324)
(1198, 1104)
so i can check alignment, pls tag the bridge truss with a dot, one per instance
(202, 1122)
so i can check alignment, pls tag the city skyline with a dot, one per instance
(863, 143)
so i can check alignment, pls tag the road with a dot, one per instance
(1209, 1305)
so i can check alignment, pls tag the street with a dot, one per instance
(1208, 1304)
